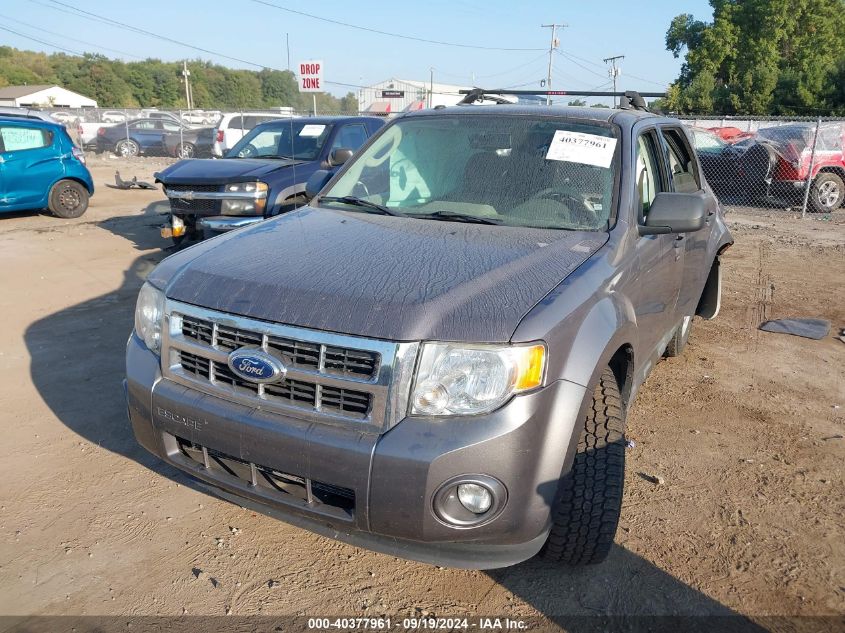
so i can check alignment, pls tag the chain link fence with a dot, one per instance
(795, 164)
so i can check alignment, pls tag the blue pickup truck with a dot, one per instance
(263, 175)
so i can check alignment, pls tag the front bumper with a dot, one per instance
(391, 477)
(223, 223)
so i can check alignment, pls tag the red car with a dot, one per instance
(730, 134)
(793, 148)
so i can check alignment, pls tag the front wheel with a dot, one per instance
(827, 193)
(586, 510)
(68, 199)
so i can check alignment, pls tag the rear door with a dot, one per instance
(685, 178)
(660, 260)
(30, 163)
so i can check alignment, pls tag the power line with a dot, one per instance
(102, 19)
(397, 35)
(35, 39)
(67, 37)
(573, 61)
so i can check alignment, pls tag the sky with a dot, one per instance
(255, 32)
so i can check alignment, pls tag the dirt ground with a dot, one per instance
(747, 429)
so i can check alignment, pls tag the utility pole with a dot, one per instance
(287, 44)
(552, 46)
(614, 72)
(431, 88)
(187, 74)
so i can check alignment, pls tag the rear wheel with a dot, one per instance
(679, 338)
(68, 199)
(127, 148)
(186, 150)
(827, 193)
(589, 498)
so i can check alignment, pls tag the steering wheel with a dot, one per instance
(247, 150)
(574, 201)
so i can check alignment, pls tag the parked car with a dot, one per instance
(163, 116)
(435, 357)
(792, 146)
(113, 116)
(233, 125)
(191, 143)
(263, 175)
(730, 134)
(737, 171)
(199, 117)
(139, 136)
(40, 168)
(67, 118)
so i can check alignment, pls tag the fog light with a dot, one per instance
(475, 498)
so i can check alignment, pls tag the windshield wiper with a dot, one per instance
(360, 202)
(456, 217)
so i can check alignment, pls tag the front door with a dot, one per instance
(660, 257)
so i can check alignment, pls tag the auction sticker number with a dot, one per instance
(578, 147)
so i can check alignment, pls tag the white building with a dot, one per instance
(43, 97)
(398, 95)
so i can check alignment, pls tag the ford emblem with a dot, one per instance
(256, 365)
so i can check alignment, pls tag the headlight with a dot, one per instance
(253, 203)
(457, 379)
(149, 314)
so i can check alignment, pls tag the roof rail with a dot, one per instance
(629, 100)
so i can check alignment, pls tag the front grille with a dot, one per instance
(331, 378)
(294, 392)
(280, 486)
(338, 361)
(202, 207)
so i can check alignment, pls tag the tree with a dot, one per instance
(759, 57)
(578, 103)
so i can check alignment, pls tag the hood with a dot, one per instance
(378, 276)
(220, 171)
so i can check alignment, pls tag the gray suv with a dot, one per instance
(435, 357)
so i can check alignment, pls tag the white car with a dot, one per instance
(199, 117)
(113, 116)
(64, 117)
(233, 125)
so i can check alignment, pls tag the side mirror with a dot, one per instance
(339, 156)
(316, 182)
(675, 213)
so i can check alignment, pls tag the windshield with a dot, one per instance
(294, 138)
(509, 170)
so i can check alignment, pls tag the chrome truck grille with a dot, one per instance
(330, 378)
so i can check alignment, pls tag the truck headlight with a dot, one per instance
(251, 200)
(455, 379)
(149, 314)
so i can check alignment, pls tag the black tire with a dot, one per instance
(127, 148)
(186, 150)
(589, 497)
(679, 338)
(68, 199)
(827, 193)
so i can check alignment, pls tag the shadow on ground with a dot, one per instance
(77, 365)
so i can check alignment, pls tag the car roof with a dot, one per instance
(323, 119)
(13, 118)
(598, 115)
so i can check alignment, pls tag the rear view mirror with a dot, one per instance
(339, 156)
(675, 213)
(316, 182)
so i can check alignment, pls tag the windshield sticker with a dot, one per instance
(312, 130)
(577, 147)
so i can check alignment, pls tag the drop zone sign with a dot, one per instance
(311, 76)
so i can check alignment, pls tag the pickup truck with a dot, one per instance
(434, 358)
(263, 175)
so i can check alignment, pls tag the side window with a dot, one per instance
(235, 123)
(350, 137)
(144, 125)
(648, 172)
(170, 127)
(17, 139)
(681, 164)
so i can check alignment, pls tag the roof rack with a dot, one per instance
(629, 100)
